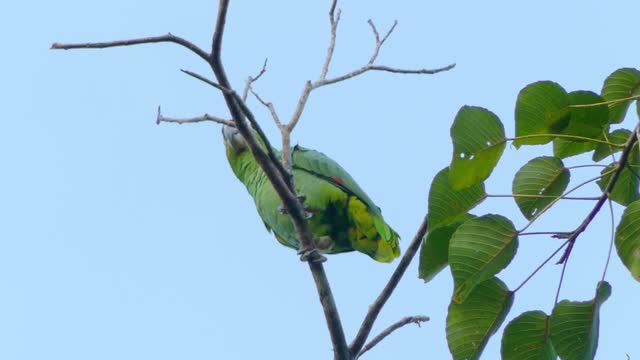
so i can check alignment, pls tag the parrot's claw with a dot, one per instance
(302, 198)
(283, 210)
(311, 255)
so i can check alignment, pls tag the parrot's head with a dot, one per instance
(233, 141)
(242, 162)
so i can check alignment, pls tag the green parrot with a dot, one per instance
(342, 217)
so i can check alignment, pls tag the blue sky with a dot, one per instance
(121, 239)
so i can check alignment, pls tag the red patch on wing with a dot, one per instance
(337, 180)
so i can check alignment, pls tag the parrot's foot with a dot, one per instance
(311, 255)
(302, 198)
(324, 243)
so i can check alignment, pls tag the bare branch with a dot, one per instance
(147, 40)
(271, 107)
(374, 309)
(206, 117)
(395, 326)
(333, 20)
(377, 38)
(251, 79)
(369, 67)
(206, 81)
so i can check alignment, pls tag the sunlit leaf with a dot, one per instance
(478, 142)
(619, 137)
(574, 325)
(625, 190)
(434, 252)
(447, 203)
(538, 183)
(527, 338)
(621, 84)
(470, 325)
(541, 108)
(628, 239)
(479, 249)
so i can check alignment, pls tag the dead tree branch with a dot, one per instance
(206, 117)
(395, 326)
(147, 40)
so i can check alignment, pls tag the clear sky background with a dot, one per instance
(121, 239)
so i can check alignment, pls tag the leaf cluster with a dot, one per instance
(477, 247)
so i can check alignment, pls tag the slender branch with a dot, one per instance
(375, 308)
(610, 102)
(541, 266)
(541, 196)
(147, 40)
(206, 117)
(206, 81)
(270, 107)
(377, 38)
(544, 209)
(613, 231)
(565, 136)
(369, 67)
(556, 234)
(395, 326)
(334, 19)
(251, 79)
(628, 147)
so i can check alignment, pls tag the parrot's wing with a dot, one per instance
(321, 165)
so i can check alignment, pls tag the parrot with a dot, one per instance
(342, 217)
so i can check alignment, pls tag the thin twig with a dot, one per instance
(271, 107)
(206, 117)
(252, 79)
(206, 81)
(374, 310)
(334, 19)
(613, 220)
(366, 68)
(628, 147)
(395, 326)
(147, 40)
(541, 266)
(379, 41)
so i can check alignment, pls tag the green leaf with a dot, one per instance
(447, 203)
(584, 122)
(628, 239)
(625, 190)
(479, 249)
(574, 325)
(621, 84)
(470, 325)
(564, 148)
(619, 137)
(541, 108)
(478, 142)
(527, 338)
(538, 183)
(434, 253)
(588, 122)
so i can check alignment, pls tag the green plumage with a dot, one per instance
(343, 217)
